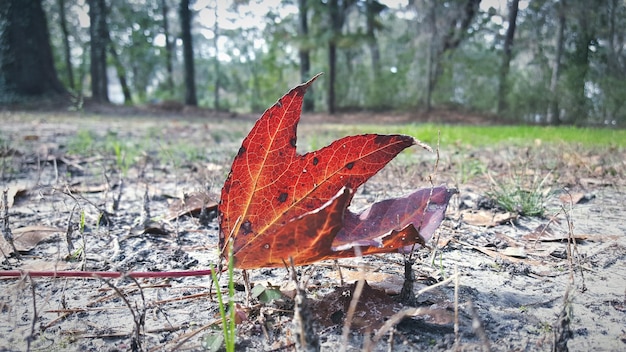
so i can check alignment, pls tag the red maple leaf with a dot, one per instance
(277, 204)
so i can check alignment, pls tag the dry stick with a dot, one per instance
(479, 329)
(136, 320)
(406, 294)
(69, 231)
(457, 338)
(6, 229)
(306, 337)
(356, 295)
(145, 211)
(30, 338)
(561, 329)
(571, 240)
(104, 274)
(432, 185)
(390, 341)
(141, 325)
(336, 264)
(118, 199)
(186, 337)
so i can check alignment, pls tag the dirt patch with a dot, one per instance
(96, 193)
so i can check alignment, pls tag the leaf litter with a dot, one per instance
(518, 301)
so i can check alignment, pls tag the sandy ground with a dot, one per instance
(510, 282)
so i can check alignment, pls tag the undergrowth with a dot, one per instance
(519, 196)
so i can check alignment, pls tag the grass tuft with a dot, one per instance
(516, 197)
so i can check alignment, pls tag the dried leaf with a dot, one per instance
(27, 238)
(517, 252)
(486, 218)
(546, 233)
(389, 283)
(575, 198)
(191, 205)
(15, 192)
(83, 188)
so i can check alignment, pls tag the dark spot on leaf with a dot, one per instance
(293, 142)
(241, 151)
(279, 104)
(315, 160)
(282, 197)
(350, 165)
(381, 139)
(246, 227)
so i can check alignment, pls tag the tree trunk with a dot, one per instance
(373, 8)
(26, 63)
(121, 73)
(332, 66)
(579, 64)
(506, 56)
(216, 70)
(453, 37)
(333, 12)
(190, 81)
(66, 44)
(98, 33)
(168, 49)
(304, 53)
(432, 61)
(553, 116)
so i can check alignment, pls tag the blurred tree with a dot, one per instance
(66, 44)
(216, 61)
(26, 62)
(373, 10)
(455, 22)
(337, 11)
(99, 37)
(507, 55)
(121, 71)
(190, 79)
(304, 52)
(582, 37)
(553, 115)
(168, 49)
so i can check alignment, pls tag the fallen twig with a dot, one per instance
(104, 274)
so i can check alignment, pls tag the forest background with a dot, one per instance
(542, 61)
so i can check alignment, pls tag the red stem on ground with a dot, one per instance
(101, 274)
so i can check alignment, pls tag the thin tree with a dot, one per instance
(66, 44)
(507, 56)
(304, 52)
(99, 37)
(190, 81)
(433, 54)
(335, 24)
(121, 72)
(26, 63)
(553, 109)
(373, 8)
(337, 14)
(583, 34)
(216, 63)
(168, 48)
(456, 33)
